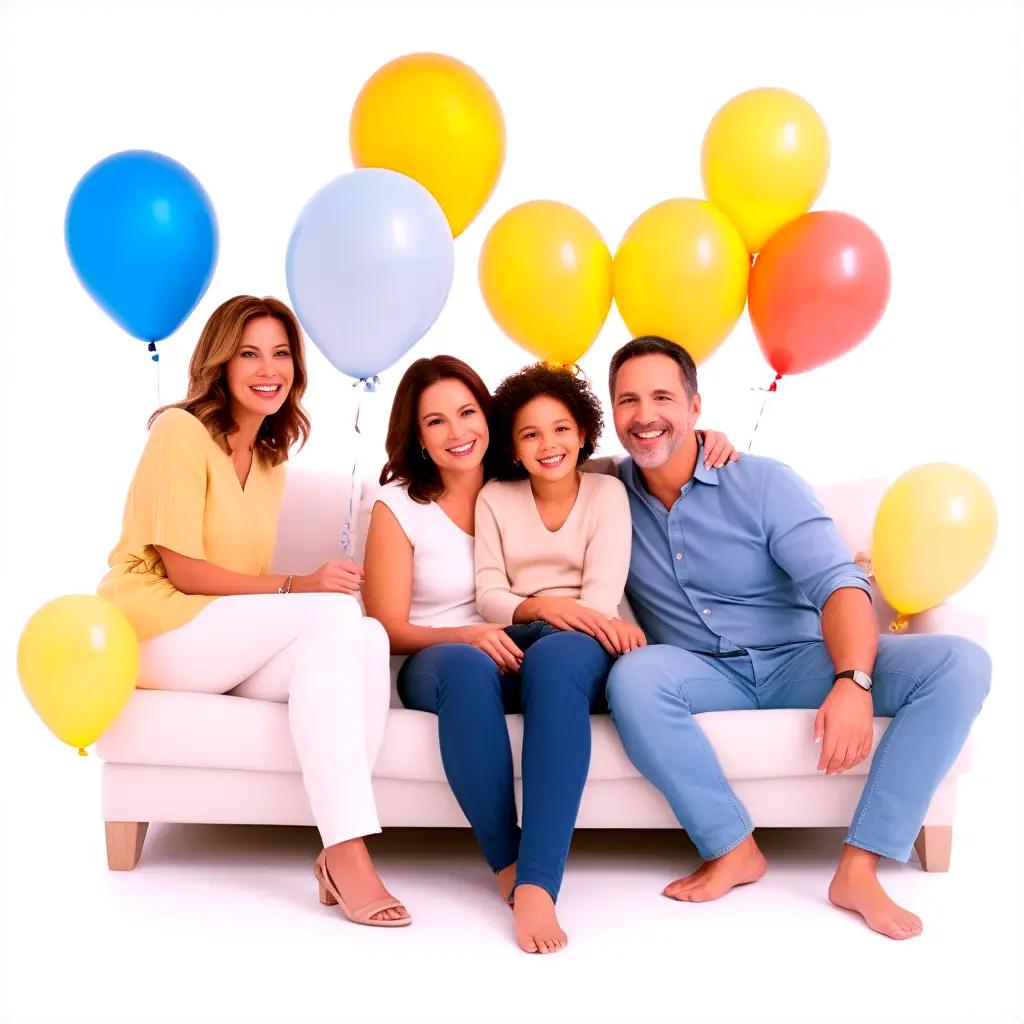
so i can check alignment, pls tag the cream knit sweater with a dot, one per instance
(518, 557)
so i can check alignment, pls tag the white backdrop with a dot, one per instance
(605, 107)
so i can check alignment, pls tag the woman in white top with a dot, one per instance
(420, 584)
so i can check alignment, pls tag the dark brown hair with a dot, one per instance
(652, 345)
(208, 398)
(405, 463)
(516, 390)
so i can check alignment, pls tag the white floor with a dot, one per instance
(221, 923)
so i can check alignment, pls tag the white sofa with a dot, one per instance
(166, 759)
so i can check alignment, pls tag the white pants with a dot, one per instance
(318, 653)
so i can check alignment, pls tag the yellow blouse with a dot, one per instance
(185, 496)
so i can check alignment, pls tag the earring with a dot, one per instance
(423, 452)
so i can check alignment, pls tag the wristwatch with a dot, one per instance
(862, 679)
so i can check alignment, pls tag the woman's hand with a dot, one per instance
(331, 578)
(567, 613)
(494, 642)
(718, 449)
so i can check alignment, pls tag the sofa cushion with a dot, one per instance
(199, 730)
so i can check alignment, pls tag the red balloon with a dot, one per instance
(817, 288)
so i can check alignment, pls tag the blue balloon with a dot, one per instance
(369, 266)
(142, 236)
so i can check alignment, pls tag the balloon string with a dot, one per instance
(151, 348)
(773, 387)
(365, 385)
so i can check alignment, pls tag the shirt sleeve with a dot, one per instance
(402, 507)
(606, 559)
(803, 539)
(494, 598)
(169, 490)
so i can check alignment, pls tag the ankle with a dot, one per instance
(857, 863)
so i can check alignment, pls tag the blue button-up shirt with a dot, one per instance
(744, 560)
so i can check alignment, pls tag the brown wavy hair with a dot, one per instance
(405, 463)
(208, 398)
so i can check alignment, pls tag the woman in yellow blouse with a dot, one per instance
(192, 573)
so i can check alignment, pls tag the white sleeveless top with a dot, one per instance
(443, 573)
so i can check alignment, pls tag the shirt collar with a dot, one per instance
(701, 475)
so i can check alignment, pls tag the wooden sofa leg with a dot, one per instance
(933, 845)
(124, 843)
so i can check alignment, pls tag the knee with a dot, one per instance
(375, 639)
(637, 681)
(464, 674)
(333, 610)
(970, 672)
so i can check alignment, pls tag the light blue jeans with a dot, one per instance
(931, 686)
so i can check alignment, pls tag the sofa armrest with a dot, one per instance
(951, 619)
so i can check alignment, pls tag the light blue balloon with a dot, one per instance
(142, 237)
(369, 267)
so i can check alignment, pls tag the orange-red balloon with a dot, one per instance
(817, 288)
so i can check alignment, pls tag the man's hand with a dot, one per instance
(843, 726)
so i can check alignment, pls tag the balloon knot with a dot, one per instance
(899, 624)
(151, 347)
(81, 752)
(368, 384)
(775, 383)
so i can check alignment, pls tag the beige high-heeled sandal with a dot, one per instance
(329, 896)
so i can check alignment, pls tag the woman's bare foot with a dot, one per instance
(537, 929)
(506, 878)
(855, 887)
(714, 878)
(350, 867)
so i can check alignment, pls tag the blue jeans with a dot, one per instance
(931, 686)
(560, 684)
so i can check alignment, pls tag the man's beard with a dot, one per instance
(655, 456)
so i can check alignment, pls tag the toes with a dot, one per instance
(529, 945)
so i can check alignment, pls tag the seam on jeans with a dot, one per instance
(722, 781)
(850, 841)
(731, 846)
(888, 741)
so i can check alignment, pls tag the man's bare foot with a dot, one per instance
(855, 887)
(506, 879)
(714, 878)
(537, 929)
(350, 867)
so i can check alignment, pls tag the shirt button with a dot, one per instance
(679, 555)
(707, 611)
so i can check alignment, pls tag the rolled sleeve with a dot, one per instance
(803, 540)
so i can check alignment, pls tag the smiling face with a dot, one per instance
(452, 426)
(654, 415)
(261, 372)
(546, 438)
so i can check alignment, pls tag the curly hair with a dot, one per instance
(522, 387)
(208, 398)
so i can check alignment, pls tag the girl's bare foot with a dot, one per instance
(855, 887)
(714, 878)
(506, 879)
(537, 929)
(353, 873)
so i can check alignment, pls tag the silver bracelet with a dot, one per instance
(286, 587)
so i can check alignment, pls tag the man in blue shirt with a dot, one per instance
(748, 599)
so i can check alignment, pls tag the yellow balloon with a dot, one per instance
(436, 120)
(78, 660)
(546, 276)
(934, 530)
(764, 161)
(681, 272)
